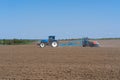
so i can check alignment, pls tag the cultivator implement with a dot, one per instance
(84, 42)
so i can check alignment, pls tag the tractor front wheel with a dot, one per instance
(42, 45)
(54, 44)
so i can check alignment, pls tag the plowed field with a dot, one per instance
(29, 62)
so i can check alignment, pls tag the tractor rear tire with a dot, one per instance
(42, 45)
(54, 44)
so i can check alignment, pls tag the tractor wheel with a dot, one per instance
(42, 45)
(54, 44)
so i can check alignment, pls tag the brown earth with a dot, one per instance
(109, 43)
(29, 62)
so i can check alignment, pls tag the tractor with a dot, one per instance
(51, 41)
(48, 42)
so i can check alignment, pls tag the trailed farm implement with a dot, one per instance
(51, 41)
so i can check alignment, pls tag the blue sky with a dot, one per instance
(34, 19)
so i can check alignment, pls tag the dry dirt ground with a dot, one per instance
(29, 62)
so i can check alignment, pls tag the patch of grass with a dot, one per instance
(15, 41)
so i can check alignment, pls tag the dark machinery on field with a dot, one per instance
(48, 42)
(87, 43)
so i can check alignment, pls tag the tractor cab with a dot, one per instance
(51, 38)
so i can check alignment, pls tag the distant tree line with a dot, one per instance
(108, 39)
(29, 41)
(91, 39)
(15, 41)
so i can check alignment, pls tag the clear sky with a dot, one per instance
(31, 19)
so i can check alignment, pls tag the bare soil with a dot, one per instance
(109, 43)
(29, 62)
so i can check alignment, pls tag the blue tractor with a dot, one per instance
(48, 42)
